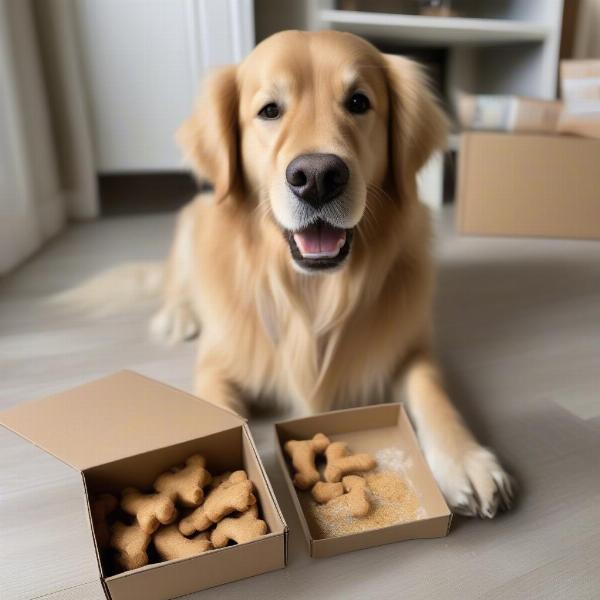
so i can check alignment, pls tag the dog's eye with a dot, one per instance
(358, 104)
(269, 111)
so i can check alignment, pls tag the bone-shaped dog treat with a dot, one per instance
(243, 528)
(101, 507)
(170, 544)
(303, 453)
(324, 492)
(233, 494)
(358, 495)
(131, 543)
(217, 480)
(340, 462)
(185, 486)
(150, 510)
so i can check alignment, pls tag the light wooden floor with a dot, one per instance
(518, 326)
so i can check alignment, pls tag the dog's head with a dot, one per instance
(311, 125)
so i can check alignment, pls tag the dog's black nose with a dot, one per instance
(317, 178)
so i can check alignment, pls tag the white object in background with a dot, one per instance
(435, 31)
(430, 182)
(142, 62)
(497, 112)
(32, 207)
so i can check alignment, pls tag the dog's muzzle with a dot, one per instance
(318, 182)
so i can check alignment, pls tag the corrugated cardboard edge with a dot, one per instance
(248, 434)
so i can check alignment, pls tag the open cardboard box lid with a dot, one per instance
(119, 416)
(94, 426)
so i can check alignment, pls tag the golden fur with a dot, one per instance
(333, 339)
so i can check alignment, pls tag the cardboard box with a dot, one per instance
(528, 185)
(508, 113)
(126, 430)
(580, 91)
(366, 429)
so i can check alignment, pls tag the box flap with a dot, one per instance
(121, 415)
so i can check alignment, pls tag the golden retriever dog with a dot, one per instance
(307, 272)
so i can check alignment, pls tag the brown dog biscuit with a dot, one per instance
(340, 462)
(243, 528)
(130, 542)
(303, 453)
(185, 485)
(101, 507)
(170, 544)
(324, 492)
(217, 480)
(358, 495)
(233, 494)
(150, 510)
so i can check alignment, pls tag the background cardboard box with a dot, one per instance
(580, 91)
(528, 185)
(508, 113)
(127, 429)
(366, 429)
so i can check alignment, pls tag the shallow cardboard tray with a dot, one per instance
(125, 430)
(367, 429)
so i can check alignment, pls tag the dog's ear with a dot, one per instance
(418, 126)
(209, 137)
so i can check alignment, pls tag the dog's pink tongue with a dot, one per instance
(320, 241)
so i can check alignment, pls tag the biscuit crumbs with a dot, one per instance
(393, 501)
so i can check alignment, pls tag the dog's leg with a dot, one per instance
(176, 320)
(213, 384)
(469, 475)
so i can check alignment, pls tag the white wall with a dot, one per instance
(142, 63)
(31, 203)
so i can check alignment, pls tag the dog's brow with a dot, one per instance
(279, 87)
(350, 78)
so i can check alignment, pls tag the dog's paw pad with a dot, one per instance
(493, 487)
(474, 484)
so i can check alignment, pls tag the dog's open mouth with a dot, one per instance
(320, 246)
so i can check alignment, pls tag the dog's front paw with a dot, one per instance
(174, 323)
(472, 480)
